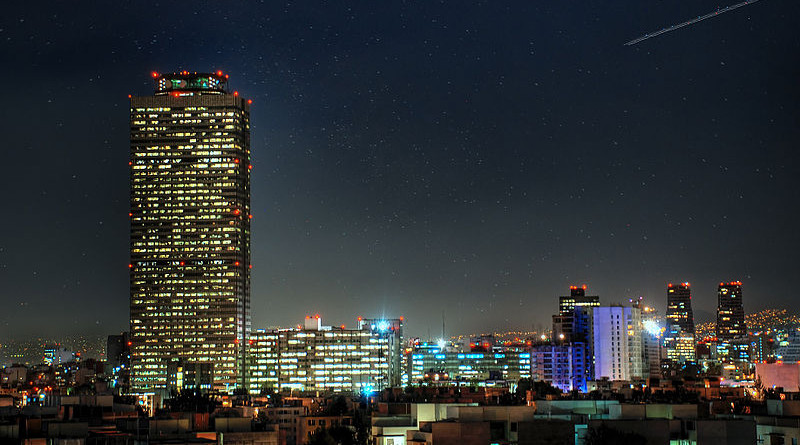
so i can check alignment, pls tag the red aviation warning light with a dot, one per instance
(154, 74)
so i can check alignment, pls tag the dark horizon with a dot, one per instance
(474, 159)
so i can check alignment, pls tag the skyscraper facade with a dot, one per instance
(617, 338)
(679, 339)
(190, 230)
(730, 312)
(563, 322)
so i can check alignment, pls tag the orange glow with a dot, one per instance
(129, 96)
(250, 167)
(219, 73)
(236, 93)
(130, 266)
(250, 216)
(249, 101)
(236, 263)
(154, 74)
(237, 211)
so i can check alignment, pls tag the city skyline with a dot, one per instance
(415, 160)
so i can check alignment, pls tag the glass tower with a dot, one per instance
(190, 230)
(730, 313)
(680, 335)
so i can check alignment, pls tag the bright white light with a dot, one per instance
(441, 343)
(652, 328)
(383, 326)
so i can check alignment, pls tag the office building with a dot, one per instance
(563, 322)
(679, 338)
(314, 357)
(190, 230)
(652, 332)
(617, 343)
(563, 366)
(436, 363)
(730, 312)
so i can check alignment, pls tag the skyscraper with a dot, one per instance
(679, 340)
(563, 323)
(617, 343)
(730, 312)
(190, 230)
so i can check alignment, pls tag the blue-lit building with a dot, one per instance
(432, 361)
(563, 366)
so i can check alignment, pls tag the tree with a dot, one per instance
(337, 435)
(336, 406)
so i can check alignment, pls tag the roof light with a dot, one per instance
(154, 74)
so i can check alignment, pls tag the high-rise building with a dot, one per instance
(617, 338)
(327, 358)
(730, 312)
(679, 338)
(652, 331)
(563, 322)
(190, 230)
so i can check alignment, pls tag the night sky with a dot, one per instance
(415, 158)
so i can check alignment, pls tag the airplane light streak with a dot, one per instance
(690, 22)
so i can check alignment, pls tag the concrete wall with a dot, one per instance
(233, 424)
(726, 432)
(545, 432)
(652, 411)
(460, 433)
(251, 438)
(784, 375)
(655, 431)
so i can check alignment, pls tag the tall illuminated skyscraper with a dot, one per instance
(679, 339)
(190, 230)
(563, 323)
(730, 312)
